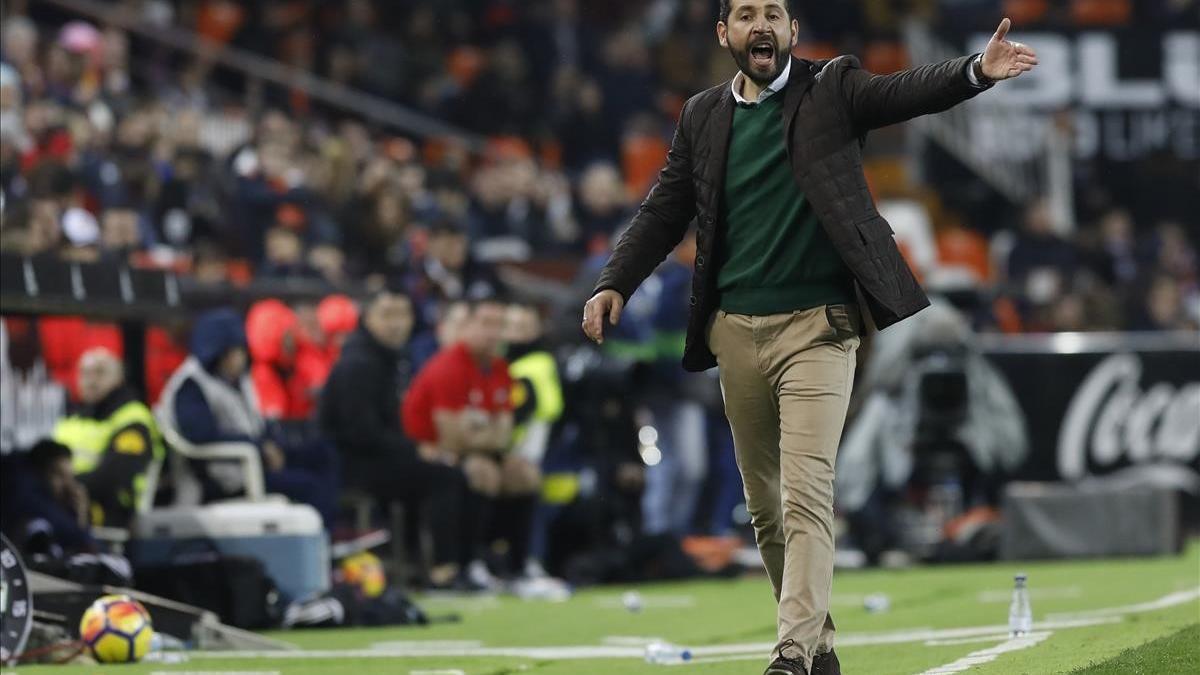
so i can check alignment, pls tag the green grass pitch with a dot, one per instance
(1125, 616)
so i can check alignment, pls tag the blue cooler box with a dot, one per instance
(288, 539)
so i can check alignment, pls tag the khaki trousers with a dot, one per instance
(786, 382)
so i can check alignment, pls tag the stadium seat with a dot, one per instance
(1025, 12)
(1101, 12)
(187, 488)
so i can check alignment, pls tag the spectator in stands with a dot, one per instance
(1163, 307)
(43, 508)
(113, 438)
(537, 391)
(538, 404)
(338, 318)
(120, 235)
(448, 272)
(360, 413)
(288, 365)
(284, 254)
(603, 206)
(1042, 264)
(210, 399)
(459, 410)
(451, 316)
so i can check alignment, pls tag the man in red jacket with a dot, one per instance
(459, 410)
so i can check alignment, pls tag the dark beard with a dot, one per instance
(742, 58)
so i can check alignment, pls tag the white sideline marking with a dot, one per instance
(990, 654)
(1000, 595)
(748, 650)
(1162, 603)
(569, 652)
(436, 672)
(721, 659)
(966, 641)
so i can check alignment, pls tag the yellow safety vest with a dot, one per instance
(542, 373)
(88, 439)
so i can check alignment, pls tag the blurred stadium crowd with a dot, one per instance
(114, 148)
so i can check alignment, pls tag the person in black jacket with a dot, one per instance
(360, 413)
(770, 166)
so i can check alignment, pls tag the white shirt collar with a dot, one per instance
(766, 93)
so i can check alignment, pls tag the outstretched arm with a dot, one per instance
(875, 101)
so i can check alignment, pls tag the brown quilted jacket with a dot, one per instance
(829, 106)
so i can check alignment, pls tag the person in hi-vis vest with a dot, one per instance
(113, 439)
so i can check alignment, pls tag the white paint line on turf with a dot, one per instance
(628, 652)
(967, 641)
(990, 654)
(636, 652)
(1180, 598)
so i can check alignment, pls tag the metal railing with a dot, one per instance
(258, 69)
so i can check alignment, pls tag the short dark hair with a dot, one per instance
(391, 289)
(45, 453)
(727, 7)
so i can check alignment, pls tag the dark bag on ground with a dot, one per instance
(236, 588)
(343, 605)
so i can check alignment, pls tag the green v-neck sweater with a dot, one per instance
(776, 257)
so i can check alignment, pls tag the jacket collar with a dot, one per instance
(799, 81)
(362, 336)
(798, 84)
(770, 90)
(108, 405)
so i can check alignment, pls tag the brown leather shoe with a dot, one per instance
(826, 664)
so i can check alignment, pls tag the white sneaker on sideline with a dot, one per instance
(479, 575)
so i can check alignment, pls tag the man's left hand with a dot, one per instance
(1004, 59)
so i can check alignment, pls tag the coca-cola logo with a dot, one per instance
(1112, 418)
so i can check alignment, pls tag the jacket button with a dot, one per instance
(692, 301)
(699, 261)
(709, 220)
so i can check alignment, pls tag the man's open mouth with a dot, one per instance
(762, 54)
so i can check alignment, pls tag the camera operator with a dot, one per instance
(938, 430)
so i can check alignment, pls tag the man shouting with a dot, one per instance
(770, 166)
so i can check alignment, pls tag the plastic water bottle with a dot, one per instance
(665, 653)
(1020, 613)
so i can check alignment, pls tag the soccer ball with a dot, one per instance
(116, 629)
(365, 572)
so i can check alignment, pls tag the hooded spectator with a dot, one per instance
(211, 399)
(338, 316)
(288, 366)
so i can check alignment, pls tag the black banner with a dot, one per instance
(1097, 406)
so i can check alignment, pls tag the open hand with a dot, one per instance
(1003, 59)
